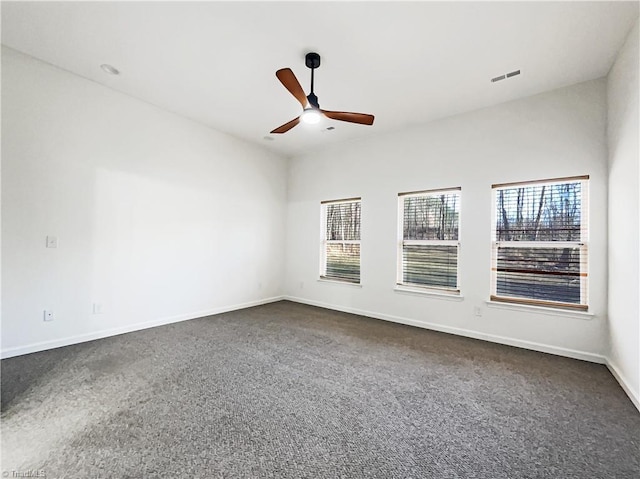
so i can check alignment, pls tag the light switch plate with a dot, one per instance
(48, 315)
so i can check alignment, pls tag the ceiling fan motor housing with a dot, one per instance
(313, 100)
(312, 60)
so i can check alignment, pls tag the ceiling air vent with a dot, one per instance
(506, 75)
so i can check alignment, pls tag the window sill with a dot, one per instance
(343, 283)
(541, 310)
(429, 292)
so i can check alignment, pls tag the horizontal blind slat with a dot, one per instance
(343, 262)
(539, 213)
(431, 216)
(430, 265)
(343, 221)
(547, 274)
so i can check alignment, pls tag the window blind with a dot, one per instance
(429, 239)
(343, 221)
(341, 244)
(540, 243)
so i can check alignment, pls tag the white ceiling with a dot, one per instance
(407, 63)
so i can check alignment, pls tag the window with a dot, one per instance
(428, 239)
(340, 255)
(540, 243)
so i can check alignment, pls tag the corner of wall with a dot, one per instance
(623, 242)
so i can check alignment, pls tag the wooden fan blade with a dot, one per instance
(361, 118)
(287, 126)
(291, 83)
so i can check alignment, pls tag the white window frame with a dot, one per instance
(324, 242)
(582, 244)
(400, 284)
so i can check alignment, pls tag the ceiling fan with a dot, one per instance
(312, 113)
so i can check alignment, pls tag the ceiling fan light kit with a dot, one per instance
(311, 116)
(312, 113)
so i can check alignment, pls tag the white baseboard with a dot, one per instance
(105, 333)
(545, 348)
(624, 384)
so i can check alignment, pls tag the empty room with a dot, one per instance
(320, 239)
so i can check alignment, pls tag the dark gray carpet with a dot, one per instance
(291, 391)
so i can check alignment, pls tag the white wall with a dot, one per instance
(624, 221)
(555, 134)
(158, 218)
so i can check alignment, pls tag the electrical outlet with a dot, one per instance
(52, 241)
(477, 311)
(98, 308)
(48, 315)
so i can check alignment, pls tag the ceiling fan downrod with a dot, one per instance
(312, 60)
